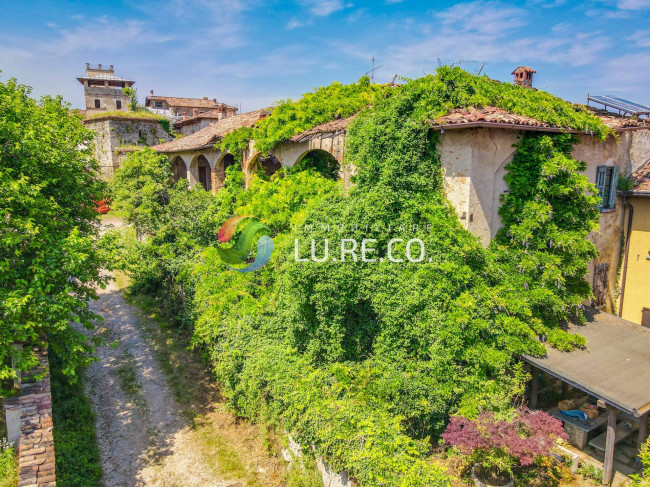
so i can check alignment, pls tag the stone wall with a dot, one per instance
(115, 135)
(29, 426)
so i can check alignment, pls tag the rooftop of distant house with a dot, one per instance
(210, 134)
(215, 114)
(176, 101)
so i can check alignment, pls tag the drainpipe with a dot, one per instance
(627, 249)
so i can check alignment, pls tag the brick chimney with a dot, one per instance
(523, 76)
(151, 92)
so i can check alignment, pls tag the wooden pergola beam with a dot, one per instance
(608, 467)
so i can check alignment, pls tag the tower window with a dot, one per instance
(96, 103)
(118, 104)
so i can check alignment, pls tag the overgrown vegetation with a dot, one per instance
(49, 262)
(643, 479)
(366, 361)
(75, 443)
(450, 88)
(8, 465)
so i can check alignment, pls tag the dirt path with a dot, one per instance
(143, 438)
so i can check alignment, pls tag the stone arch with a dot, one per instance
(179, 169)
(224, 161)
(322, 161)
(201, 172)
(270, 165)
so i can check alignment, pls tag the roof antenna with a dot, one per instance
(372, 71)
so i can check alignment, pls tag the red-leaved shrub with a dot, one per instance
(499, 444)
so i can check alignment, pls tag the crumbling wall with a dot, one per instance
(29, 425)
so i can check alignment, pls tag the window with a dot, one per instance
(645, 317)
(118, 104)
(158, 104)
(607, 182)
(97, 104)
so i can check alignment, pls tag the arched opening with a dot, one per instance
(223, 163)
(320, 161)
(227, 161)
(203, 172)
(269, 165)
(179, 169)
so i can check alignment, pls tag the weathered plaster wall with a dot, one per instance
(456, 158)
(195, 127)
(115, 133)
(473, 161)
(636, 295)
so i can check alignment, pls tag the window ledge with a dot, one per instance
(607, 210)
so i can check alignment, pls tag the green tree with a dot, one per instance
(49, 264)
(141, 187)
(132, 93)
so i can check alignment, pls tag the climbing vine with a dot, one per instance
(381, 352)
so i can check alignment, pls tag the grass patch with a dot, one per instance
(8, 465)
(145, 114)
(75, 442)
(129, 382)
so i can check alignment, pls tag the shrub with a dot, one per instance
(643, 480)
(77, 455)
(498, 444)
(8, 465)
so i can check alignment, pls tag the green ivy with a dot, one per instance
(366, 361)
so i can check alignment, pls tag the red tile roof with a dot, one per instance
(335, 126)
(210, 134)
(215, 114)
(525, 69)
(493, 116)
(642, 178)
(188, 102)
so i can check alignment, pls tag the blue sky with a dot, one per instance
(254, 52)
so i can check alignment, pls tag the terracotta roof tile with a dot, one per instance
(335, 126)
(642, 178)
(187, 102)
(211, 133)
(215, 114)
(490, 116)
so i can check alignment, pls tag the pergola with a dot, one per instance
(614, 367)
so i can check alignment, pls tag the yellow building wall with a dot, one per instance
(637, 280)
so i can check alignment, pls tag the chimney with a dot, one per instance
(523, 76)
(195, 112)
(87, 65)
(205, 97)
(151, 92)
(99, 66)
(111, 68)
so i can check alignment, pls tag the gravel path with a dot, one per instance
(142, 436)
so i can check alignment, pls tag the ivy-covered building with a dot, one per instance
(475, 147)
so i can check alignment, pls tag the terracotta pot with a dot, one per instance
(480, 483)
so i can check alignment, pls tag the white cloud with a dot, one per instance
(484, 17)
(323, 8)
(294, 23)
(641, 38)
(634, 4)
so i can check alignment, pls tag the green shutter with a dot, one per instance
(613, 186)
(601, 174)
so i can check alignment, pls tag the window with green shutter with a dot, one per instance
(607, 182)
